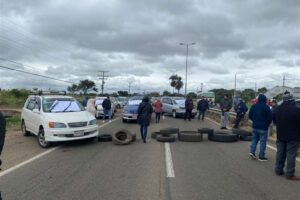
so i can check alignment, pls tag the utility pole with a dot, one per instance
(283, 84)
(129, 86)
(255, 90)
(102, 77)
(201, 87)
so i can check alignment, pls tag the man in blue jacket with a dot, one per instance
(261, 116)
(241, 110)
(287, 120)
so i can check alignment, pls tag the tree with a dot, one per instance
(86, 85)
(262, 90)
(72, 88)
(193, 95)
(176, 82)
(123, 93)
(219, 94)
(154, 94)
(248, 94)
(166, 93)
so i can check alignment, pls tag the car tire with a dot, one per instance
(190, 136)
(223, 136)
(241, 132)
(155, 134)
(122, 137)
(245, 137)
(41, 139)
(133, 135)
(124, 120)
(174, 114)
(24, 130)
(104, 138)
(164, 138)
(168, 131)
(208, 131)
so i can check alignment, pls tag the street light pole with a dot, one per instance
(186, 62)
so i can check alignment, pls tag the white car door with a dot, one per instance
(27, 114)
(37, 116)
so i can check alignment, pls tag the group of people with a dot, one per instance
(106, 104)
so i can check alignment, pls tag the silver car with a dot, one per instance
(175, 106)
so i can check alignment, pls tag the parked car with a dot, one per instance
(57, 118)
(99, 108)
(175, 106)
(121, 101)
(130, 109)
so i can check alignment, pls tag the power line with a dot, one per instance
(43, 76)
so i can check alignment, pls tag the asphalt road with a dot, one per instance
(205, 170)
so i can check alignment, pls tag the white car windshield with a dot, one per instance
(179, 101)
(99, 101)
(134, 102)
(61, 105)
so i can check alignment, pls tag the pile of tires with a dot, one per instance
(190, 136)
(223, 136)
(242, 134)
(123, 137)
(166, 135)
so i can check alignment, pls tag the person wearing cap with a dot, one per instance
(145, 111)
(287, 120)
(261, 116)
(241, 109)
(2, 134)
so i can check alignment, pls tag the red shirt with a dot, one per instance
(158, 107)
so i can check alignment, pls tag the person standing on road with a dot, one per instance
(106, 104)
(202, 107)
(241, 110)
(261, 116)
(225, 107)
(158, 109)
(2, 134)
(189, 105)
(287, 120)
(145, 111)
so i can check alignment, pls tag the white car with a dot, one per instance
(99, 108)
(57, 118)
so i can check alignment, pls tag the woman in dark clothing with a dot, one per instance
(144, 117)
(189, 105)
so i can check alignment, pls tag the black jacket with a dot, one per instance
(2, 131)
(106, 104)
(287, 120)
(225, 105)
(202, 105)
(144, 113)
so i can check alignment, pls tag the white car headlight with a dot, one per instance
(56, 125)
(93, 122)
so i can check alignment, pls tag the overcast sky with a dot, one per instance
(138, 41)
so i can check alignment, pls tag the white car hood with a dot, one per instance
(67, 117)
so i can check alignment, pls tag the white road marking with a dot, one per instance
(27, 161)
(169, 162)
(7, 171)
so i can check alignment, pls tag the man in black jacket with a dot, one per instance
(106, 104)
(2, 134)
(287, 120)
(145, 111)
(202, 107)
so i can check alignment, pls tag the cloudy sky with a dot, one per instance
(137, 42)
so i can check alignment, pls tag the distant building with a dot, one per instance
(271, 93)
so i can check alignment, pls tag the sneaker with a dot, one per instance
(223, 128)
(293, 178)
(263, 159)
(253, 156)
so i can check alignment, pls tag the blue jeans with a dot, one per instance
(224, 119)
(144, 130)
(260, 136)
(107, 112)
(286, 151)
(201, 113)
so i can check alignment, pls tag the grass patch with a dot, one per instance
(13, 122)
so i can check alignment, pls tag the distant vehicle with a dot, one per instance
(175, 106)
(56, 118)
(154, 99)
(99, 108)
(131, 108)
(120, 102)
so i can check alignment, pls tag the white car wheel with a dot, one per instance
(23, 128)
(41, 139)
(174, 114)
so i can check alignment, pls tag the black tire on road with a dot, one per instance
(154, 134)
(206, 131)
(223, 136)
(162, 138)
(190, 136)
(122, 137)
(241, 132)
(133, 137)
(41, 139)
(104, 138)
(168, 131)
(245, 137)
(24, 130)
